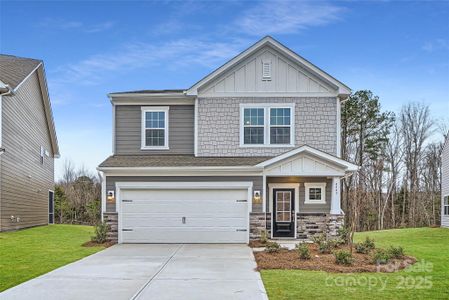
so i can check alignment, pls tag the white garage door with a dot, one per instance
(184, 216)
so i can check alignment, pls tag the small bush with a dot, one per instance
(344, 235)
(361, 248)
(264, 237)
(326, 247)
(317, 239)
(369, 244)
(101, 233)
(303, 251)
(343, 257)
(381, 257)
(396, 252)
(272, 247)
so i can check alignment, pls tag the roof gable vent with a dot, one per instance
(266, 70)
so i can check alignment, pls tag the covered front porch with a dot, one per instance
(301, 195)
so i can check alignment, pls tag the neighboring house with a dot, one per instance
(253, 146)
(445, 184)
(28, 145)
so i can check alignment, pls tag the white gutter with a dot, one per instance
(8, 92)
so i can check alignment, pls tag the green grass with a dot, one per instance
(429, 245)
(28, 253)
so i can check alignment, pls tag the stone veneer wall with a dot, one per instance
(111, 218)
(310, 225)
(219, 125)
(257, 223)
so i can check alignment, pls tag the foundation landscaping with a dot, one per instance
(389, 264)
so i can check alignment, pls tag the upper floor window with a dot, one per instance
(267, 125)
(155, 127)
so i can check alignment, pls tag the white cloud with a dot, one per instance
(282, 17)
(438, 44)
(178, 53)
(63, 24)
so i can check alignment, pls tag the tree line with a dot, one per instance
(399, 180)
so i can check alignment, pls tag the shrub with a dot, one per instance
(396, 252)
(317, 239)
(343, 257)
(303, 251)
(272, 247)
(264, 237)
(381, 257)
(326, 247)
(101, 233)
(344, 235)
(361, 248)
(369, 244)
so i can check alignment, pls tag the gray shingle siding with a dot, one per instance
(219, 118)
(128, 128)
(445, 181)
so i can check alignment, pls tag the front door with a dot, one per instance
(284, 212)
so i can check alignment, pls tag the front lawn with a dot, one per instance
(28, 253)
(427, 279)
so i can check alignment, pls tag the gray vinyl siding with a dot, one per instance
(111, 180)
(444, 181)
(24, 180)
(303, 207)
(128, 130)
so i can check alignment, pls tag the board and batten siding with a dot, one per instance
(444, 181)
(304, 207)
(111, 180)
(128, 130)
(25, 182)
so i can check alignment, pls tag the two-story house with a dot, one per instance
(445, 184)
(28, 145)
(254, 146)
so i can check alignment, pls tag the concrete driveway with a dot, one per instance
(151, 272)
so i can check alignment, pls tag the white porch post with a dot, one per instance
(335, 199)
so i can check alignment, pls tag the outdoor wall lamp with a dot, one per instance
(257, 199)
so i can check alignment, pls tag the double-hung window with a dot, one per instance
(155, 127)
(267, 125)
(446, 205)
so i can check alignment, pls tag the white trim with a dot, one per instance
(119, 186)
(443, 206)
(272, 186)
(165, 110)
(342, 88)
(182, 171)
(179, 95)
(267, 124)
(316, 185)
(113, 128)
(338, 134)
(269, 94)
(195, 127)
(335, 196)
(264, 194)
(349, 167)
(28, 76)
(103, 194)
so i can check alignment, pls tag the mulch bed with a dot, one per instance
(256, 244)
(289, 259)
(95, 244)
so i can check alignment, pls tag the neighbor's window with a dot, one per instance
(446, 205)
(253, 125)
(155, 128)
(267, 125)
(315, 193)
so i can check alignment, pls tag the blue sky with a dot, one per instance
(398, 49)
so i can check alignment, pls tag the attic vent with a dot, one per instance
(266, 70)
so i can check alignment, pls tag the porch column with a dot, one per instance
(335, 199)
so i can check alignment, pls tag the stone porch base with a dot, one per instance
(111, 218)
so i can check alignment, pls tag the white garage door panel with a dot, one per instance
(211, 216)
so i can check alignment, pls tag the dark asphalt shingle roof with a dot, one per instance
(149, 92)
(179, 161)
(13, 69)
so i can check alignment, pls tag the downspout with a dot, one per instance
(5, 90)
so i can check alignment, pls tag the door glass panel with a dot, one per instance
(283, 206)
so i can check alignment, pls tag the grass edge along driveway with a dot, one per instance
(28, 253)
(428, 279)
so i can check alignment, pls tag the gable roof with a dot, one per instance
(343, 89)
(14, 71)
(347, 166)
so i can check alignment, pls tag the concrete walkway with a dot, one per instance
(151, 272)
